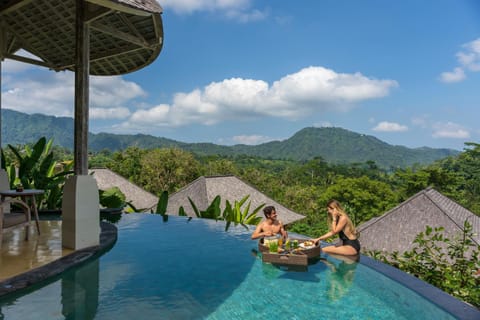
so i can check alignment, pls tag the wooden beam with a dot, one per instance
(27, 60)
(13, 6)
(96, 12)
(120, 35)
(120, 7)
(28, 48)
(132, 28)
(106, 55)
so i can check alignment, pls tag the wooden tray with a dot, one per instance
(310, 253)
(298, 259)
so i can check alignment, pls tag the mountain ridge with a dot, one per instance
(333, 144)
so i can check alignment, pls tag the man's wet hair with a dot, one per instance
(268, 210)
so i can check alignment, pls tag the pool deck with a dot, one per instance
(23, 263)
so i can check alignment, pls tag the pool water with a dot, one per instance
(193, 269)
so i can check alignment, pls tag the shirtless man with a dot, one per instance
(270, 226)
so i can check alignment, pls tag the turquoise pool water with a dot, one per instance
(193, 269)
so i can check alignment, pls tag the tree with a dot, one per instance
(167, 169)
(365, 197)
(127, 163)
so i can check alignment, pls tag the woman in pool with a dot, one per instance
(339, 223)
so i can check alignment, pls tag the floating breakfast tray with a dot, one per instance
(298, 256)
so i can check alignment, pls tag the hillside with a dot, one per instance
(335, 145)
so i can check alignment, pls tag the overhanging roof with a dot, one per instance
(125, 35)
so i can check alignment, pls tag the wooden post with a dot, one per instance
(80, 204)
(82, 71)
(4, 183)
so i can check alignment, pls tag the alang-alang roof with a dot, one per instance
(125, 35)
(396, 229)
(203, 190)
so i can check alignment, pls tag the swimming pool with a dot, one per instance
(193, 269)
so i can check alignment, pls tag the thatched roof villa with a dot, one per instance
(396, 229)
(203, 190)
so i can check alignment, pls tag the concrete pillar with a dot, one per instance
(80, 213)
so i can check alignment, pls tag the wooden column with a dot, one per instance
(4, 183)
(82, 71)
(80, 203)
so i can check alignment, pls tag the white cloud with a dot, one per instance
(456, 75)
(470, 57)
(421, 121)
(239, 10)
(244, 17)
(386, 126)
(251, 139)
(323, 124)
(469, 60)
(450, 130)
(311, 90)
(13, 66)
(113, 91)
(52, 93)
(109, 113)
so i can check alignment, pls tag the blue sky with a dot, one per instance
(245, 71)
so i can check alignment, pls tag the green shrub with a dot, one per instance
(451, 265)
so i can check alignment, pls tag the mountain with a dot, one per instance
(335, 145)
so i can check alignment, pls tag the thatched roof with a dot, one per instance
(125, 35)
(396, 229)
(203, 190)
(140, 198)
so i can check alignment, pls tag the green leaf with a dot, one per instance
(162, 203)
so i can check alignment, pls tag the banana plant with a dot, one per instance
(212, 212)
(244, 217)
(35, 168)
(231, 214)
(162, 203)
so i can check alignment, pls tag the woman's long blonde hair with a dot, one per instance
(335, 204)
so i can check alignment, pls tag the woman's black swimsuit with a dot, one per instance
(347, 242)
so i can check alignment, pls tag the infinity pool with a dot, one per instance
(192, 269)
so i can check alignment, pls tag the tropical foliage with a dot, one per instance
(449, 264)
(34, 167)
(112, 198)
(236, 213)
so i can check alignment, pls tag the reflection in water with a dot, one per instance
(341, 277)
(80, 292)
(74, 296)
(18, 255)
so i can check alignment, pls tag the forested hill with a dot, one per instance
(335, 145)
(338, 145)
